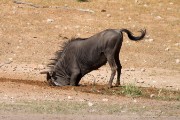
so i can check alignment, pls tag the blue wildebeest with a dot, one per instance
(80, 56)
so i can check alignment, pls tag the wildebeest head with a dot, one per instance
(53, 79)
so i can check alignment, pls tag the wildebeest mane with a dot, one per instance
(58, 54)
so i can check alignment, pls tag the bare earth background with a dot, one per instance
(32, 30)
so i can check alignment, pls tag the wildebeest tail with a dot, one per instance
(132, 37)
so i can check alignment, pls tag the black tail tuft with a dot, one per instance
(130, 34)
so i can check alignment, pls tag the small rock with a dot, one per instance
(103, 10)
(167, 49)
(143, 70)
(77, 26)
(177, 61)
(154, 81)
(177, 44)
(108, 15)
(135, 101)
(171, 3)
(10, 59)
(145, 5)
(132, 69)
(90, 104)
(123, 111)
(105, 99)
(41, 66)
(50, 20)
(121, 9)
(69, 98)
(134, 26)
(65, 5)
(140, 81)
(158, 17)
(152, 95)
(150, 40)
(86, 10)
(147, 36)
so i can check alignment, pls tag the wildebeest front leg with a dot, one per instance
(113, 66)
(74, 78)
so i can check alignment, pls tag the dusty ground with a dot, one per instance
(30, 33)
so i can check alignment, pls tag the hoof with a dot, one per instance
(110, 86)
(117, 85)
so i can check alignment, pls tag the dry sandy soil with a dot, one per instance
(32, 30)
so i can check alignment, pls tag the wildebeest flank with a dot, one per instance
(80, 56)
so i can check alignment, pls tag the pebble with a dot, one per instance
(135, 101)
(171, 3)
(177, 61)
(77, 26)
(177, 44)
(150, 40)
(90, 104)
(158, 17)
(123, 111)
(69, 98)
(108, 15)
(121, 9)
(154, 81)
(41, 66)
(167, 49)
(65, 5)
(152, 95)
(136, 1)
(145, 5)
(105, 100)
(143, 70)
(50, 20)
(132, 69)
(140, 81)
(86, 10)
(10, 59)
(103, 10)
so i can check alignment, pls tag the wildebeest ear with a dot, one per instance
(48, 76)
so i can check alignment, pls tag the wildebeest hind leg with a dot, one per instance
(119, 67)
(113, 66)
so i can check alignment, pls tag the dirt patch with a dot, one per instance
(145, 92)
(35, 98)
